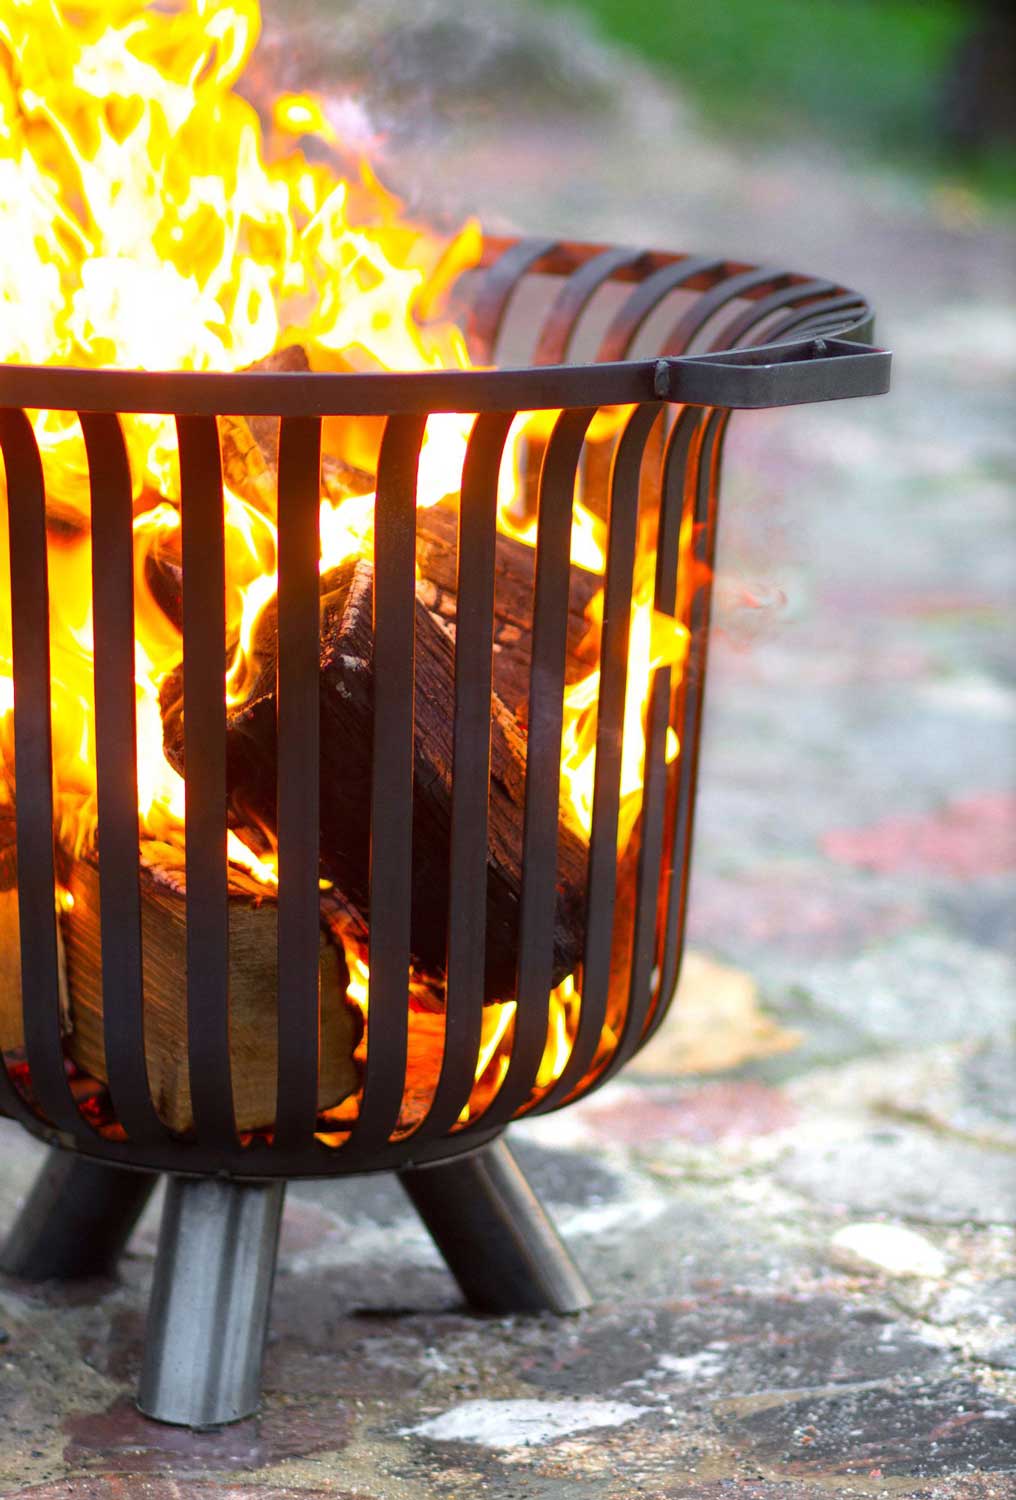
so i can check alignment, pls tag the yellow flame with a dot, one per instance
(147, 227)
(302, 114)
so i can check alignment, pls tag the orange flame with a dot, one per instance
(147, 228)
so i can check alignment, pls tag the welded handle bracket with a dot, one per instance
(817, 369)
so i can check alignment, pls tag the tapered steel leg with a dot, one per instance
(495, 1237)
(208, 1315)
(76, 1221)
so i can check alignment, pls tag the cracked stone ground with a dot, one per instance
(841, 1061)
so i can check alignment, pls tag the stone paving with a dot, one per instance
(841, 1062)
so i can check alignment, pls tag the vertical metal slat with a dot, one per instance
(474, 639)
(204, 723)
(543, 764)
(649, 873)
(706, 498)
(639, 306)
(603, 858)
(702, 309)
(117, 777)
(575, 296)
(499, 283)
(33, 755)
(392, 788)
(799, 295)
(299, 779)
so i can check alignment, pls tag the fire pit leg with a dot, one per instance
(208, 1315)
(497, 1241)
(76, 1221)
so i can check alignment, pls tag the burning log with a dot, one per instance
(253, 919)
(250, 447)
(515, 568)
(12, 1029)
(437, 548)
(250, 464)
(250, 457)
(437, 528)
(346, 695)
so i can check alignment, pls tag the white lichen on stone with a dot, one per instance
(887, 1247)
(520, 1423)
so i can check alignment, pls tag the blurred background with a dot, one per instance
(921, 84)
(926, 85)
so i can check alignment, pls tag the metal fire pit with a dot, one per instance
(768, 338)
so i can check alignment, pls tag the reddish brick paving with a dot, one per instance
(735, 1110)
(970, 837)
(122, 1439)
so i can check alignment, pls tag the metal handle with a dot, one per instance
(776, 374)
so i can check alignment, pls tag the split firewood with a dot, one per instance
(514, 575)
(253, 933)
(250, 448)
(250, 451)
(163, 562)
(347, 711)
(250, 461)
(250, 445)
(437, 565)
(12, 1026)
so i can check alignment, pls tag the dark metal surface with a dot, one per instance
(33, 750)
(116, 776)
(470, 769)
(696, 380)
(210, 1300)
(204, 667)
(494, 1236)
(298, 780)
(76, 1221)
(543, 764)
(734, 336)
(392, 787)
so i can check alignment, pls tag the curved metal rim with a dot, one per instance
(695, 380)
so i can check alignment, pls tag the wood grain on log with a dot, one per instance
(437, 564)
(253, 928)
(250, 458)
(12, 1027)
(250, 448)
(347, 697)
(515, 569)
(250, 445)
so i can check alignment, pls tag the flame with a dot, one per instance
(149, 227)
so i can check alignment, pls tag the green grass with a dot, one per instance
(865, 72)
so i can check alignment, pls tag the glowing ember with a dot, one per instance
(146, 228)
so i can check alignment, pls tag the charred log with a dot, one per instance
(514, 575)
(347, 706)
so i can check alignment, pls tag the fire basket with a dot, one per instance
(452, 936)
